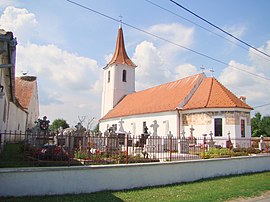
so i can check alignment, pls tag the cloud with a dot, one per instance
(22, 23)
(68, 84)
(5, 3)
(255, 89)
(175, 33)
(64, 69)
(156, 59)
(185, 70)
(150, 65)
(260, 61)
(236, 30)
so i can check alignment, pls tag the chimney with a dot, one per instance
(243, 98)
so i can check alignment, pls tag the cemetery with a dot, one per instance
(75, 146)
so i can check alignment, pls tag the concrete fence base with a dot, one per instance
(87, 179)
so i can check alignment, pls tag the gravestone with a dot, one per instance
(262, 145)
(155, 127)
(211, 142)
(183, 144)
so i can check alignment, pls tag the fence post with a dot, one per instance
(170, 148)
(127, 149)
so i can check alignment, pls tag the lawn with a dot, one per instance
(218, 189)
(12, 156)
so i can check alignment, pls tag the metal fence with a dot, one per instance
(43, 149)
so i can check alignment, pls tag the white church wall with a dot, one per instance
(123, 88)
(114, 88)
(202, 121)
(167, 121)
(16, 118)
(107, 94)
(33, 109)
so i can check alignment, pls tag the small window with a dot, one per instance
(218, 127)
(5, 111)
(124, 77)
(109, 76)
(243, 128)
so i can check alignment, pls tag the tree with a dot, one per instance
(260, 125)
(57, 123)
(96, 129)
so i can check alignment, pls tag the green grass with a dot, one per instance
(12, 156)
(218, 189)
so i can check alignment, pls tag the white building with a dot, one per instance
(197, 102)
(18, 96)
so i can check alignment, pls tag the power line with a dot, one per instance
(247, 44)
(262, 105)
(190, 21)
(166, 40)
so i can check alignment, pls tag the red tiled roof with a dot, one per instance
(120, 55)
(212, 94)
(194, 92)
(161, 98)
(24, 87)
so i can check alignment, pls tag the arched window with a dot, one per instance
(124, 77)
(109, 76)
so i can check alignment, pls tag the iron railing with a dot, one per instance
(44, 149)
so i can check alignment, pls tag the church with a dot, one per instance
(196, 103)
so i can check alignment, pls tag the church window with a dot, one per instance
(243, 128)
(124, 77)
(109, 76)
(5, 111)
(218, 127)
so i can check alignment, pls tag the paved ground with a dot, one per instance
(265, 197)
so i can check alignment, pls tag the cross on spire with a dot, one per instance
(212, 72)
(202, 68)
(120, 20)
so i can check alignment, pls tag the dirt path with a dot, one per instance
(265, 197)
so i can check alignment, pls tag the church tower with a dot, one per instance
(119, 76)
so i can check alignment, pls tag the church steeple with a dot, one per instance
(120, 55)
(119, 76)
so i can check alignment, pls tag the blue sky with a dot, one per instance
(67, 46)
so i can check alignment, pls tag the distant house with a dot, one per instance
(18, 96)
(198, 103)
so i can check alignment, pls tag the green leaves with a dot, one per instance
(260, 125)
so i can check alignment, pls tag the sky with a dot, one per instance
(67, 46)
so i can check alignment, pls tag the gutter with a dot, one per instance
(10, 76)
(178, 122)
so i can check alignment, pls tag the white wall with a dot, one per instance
(129, 121)
(33, 109)
(16, 118)
(87, 179)
(116, 89)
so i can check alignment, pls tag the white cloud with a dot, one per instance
(150, 67)
(5, 3)
(22, 23)
(261, 62)
(236, 30)
(175, 33)
(69, 85)
(185, 70)
(255, 89)
(66, 70)
(156, 60)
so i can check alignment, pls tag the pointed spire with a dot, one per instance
(120, 55)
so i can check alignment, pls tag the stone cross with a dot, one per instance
(166, 126)
(170, 134)
(155, 127)
(183, 134)
(121, 129)
(261, 143)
